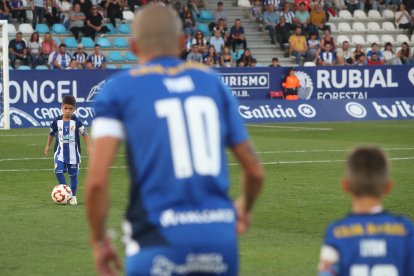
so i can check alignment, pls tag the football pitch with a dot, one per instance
(303, 164)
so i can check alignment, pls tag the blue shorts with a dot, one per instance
(71, 169)
(194, 260)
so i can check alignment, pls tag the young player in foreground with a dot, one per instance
(369, 241)
(67, 152)
(177, 120)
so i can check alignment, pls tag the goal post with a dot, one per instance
(4, 77)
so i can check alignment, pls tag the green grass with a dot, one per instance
(38, 237)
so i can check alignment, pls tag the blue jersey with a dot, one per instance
(177, 119)
(67, 145)
(372, 245)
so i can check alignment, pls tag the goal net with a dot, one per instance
(4, 77)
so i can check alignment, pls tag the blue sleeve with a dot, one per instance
(53, 128)
(409, 262)
(107, 102)
(236, 132)
(104, 58)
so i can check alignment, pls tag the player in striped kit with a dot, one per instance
(67, 128)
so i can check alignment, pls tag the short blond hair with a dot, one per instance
(367, 171)
(157, 30)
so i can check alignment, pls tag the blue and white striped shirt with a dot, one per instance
(97, 60)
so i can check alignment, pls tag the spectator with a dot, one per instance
(48, 46)
(404, 54)
(89, 65)
(4, 10)
(220, 13)
(18, 50)
(307, 4)
(283, 33)
(212, 59)
(18, 10)
(201, 42)
(278, 4)
(77, 21)
(192, 6)
(73, 65)
(38, 7)
(314, 48)
(133, 3)
(327, 56)
(375, 60)
(240, 63)
(114, 10)
(226, 60)
(86, 6)
(275, 62)
(98, 60)
(303, 17)
(353, 5)
(257, 15)
(195, 55)
(298, 45)
(246, 58)
(318, 19)
(291, 85)
(346, 53)
(80, 55)
(34, 50)
(289, 16)
(253, 63)
(64, 12)
(51, 12)
(187, 48)
(95, 24)
(59, 59)
(374, 49)
(222, 27)
(200, 4)
(358, 52)
(403, 19)
(237, 36)
(188, 21)
(389, 55)
(361, 61)
(270, 20)
(217, 42)
(328, 39)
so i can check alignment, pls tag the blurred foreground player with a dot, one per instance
(369, 241)
(177, 120)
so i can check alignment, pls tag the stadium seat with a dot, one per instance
(345, 14)
(42, 67)
(124, 29)
(24, 67)
(87, 42)
(357, 39)
(260, 65)
(388, 26)
(388, 14)
(412, 37)
(359, 27)
(42, 28)
(29, 15)
(115, 56)
(371, 38)
(126, 66)
(70, 42)
(11, 29)
(374, 14)
(360, 14)
(344, 27)
(111, 28)
(203, 28)
(206, 16)
(26, 28)
(309, 64)
(104, 42)
(129, 56)
(120, 42)
(57, 40)
(402, 38)
(387, 38)
(332, 26)
(373, 26)
(59, 28)
(341, 38)
(111, 66)
(128, 15)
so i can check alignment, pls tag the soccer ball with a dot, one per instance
(61, 194)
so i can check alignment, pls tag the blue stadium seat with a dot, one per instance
(24, 67)
(57, 40)
(124, 29)
(120, 42)
(206, 16)
(116, 56)
(129, 56)
(126, 66)
(70, 42)
(239, 53)
(203, 28)
(87, 42)
(196, 18)
(111, 28)
(42, 28)
(104, 42)
(42, 67)
(59, 28)
(111, 66)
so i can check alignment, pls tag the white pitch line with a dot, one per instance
(291, 127)
(17, 135)
(231, 164)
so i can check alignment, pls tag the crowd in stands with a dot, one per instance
(299, 28)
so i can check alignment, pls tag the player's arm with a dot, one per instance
(86, 138)
(328, 261)
(251, 183)
(48, 143)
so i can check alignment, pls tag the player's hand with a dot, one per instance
(243, 216)
(89, 150)
(105, 258)
(46, 151)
